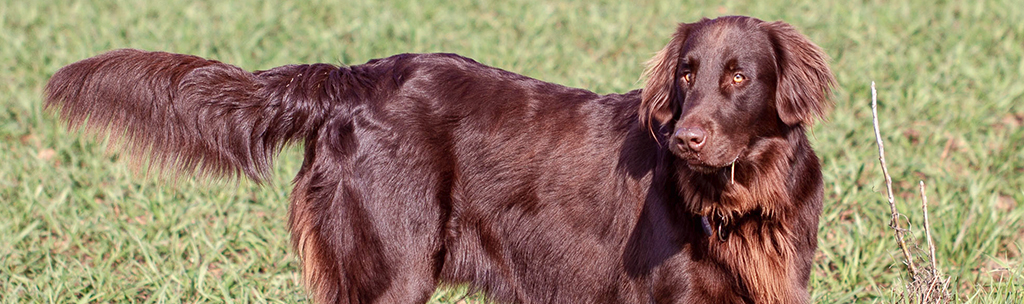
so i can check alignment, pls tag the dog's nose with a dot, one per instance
(692, 138)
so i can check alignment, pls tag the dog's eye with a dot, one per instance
(738, 78)
(688, 77)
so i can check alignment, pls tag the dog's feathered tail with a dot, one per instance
(192, 114)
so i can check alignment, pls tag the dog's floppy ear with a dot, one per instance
(805, 82)
(660, 84)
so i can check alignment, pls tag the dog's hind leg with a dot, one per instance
(368, 226)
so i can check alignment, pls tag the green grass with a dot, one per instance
(77, 225)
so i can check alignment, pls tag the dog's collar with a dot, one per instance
(718, 229)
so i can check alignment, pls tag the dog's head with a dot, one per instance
(721, 84)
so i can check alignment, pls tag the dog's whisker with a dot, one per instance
(732, 173)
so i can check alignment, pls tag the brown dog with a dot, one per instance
(431, 168)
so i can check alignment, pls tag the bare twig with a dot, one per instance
(928, 230)
(894, 223)
(937, 290)
(927, 285)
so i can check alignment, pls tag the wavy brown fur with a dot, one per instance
(197, 115)
(429, 168)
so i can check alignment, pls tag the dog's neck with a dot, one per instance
(745, 213)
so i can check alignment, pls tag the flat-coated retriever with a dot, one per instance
(422, 169)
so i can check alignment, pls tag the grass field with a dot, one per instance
(78, 226)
